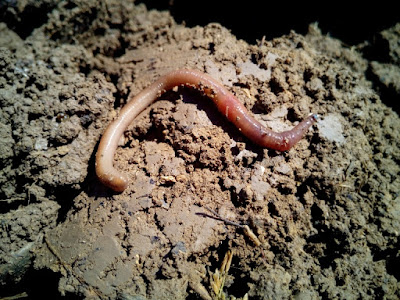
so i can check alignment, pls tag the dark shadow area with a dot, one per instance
(23, 23)
(387, 93)
(390, 255)
(42, 284)
(329, 243)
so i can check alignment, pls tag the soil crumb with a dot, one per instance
(321, 220)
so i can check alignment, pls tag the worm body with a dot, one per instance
(226, 103)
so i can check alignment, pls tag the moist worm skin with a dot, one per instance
(226, 103)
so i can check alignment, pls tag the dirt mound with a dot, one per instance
(326, 212)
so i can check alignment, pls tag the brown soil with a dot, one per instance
(327, 212)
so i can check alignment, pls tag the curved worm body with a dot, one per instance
(226, 103)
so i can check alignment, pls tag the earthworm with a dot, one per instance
(226, 103)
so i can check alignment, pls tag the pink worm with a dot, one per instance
(226, 103)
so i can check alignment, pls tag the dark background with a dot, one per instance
(250, 20)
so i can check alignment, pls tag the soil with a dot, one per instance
(326, 212)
